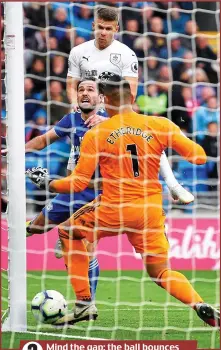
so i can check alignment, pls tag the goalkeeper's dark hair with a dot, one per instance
(117, 89)
(106, 13)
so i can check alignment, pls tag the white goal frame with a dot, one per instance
(16, 320)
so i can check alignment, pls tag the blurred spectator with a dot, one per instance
(141, 46)
(201, 80)
(83, 22)
(204, 51)
(64, 4)
(31, 107)
(132, 27)
(153, 102)
(28, 32)
(203, 116)
(59, 68)
(35, 12)
(79, 40)
(38, 127)
(210, 145)
(147, 13)
(179, 112)
(192, 75)
(66, 44)
(184, 106)
(152, 68)
(77, 5)
(189, 73)
(215, 65)
(61, 21)
(177, 51)
(190, 103)
(190, 30)
(163, 6)
(37, 42)
(186, 71)
(58, 104)
(157, 37)
(131, 11)
(164, 78)
(38, 69)
(206, 93)
(178, 20)
(53, 44)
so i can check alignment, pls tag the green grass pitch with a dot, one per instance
(131, 307)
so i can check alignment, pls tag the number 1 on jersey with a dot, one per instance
(133, 150)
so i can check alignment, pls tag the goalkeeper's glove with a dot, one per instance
(39, 176)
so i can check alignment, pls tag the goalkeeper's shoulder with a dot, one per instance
(99, 132)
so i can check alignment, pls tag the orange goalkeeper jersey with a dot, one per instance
(128, 148)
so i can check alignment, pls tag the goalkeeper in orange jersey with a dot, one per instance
(127, 147)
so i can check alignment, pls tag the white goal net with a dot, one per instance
(177, 45)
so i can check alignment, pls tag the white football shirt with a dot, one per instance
(86, 60)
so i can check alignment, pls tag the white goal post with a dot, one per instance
(16, 320)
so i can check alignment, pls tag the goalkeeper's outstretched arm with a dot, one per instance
(187, 148)
(41, 142)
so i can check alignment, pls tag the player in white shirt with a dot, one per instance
(104, 54)
(87, 60)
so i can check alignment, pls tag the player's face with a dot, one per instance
(87, 96)
(104, 32)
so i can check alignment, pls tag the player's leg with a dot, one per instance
(58, 211)
(77, 202)
(177, 191)
(94, 268)
(84, 224)
(154, 245)
(72, 233)
(38, 225)
(177, 285)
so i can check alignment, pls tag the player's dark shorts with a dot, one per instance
(63, 206)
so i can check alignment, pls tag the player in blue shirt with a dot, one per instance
(74, 125)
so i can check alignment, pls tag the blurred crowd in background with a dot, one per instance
(178, 76)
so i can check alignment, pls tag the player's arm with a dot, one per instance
(85, 168)
(133, 81)
(59, 130)
(71, 86)
(187, 148)
(73, 76)
(41, 141)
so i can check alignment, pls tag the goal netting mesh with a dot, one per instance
(177, 45)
